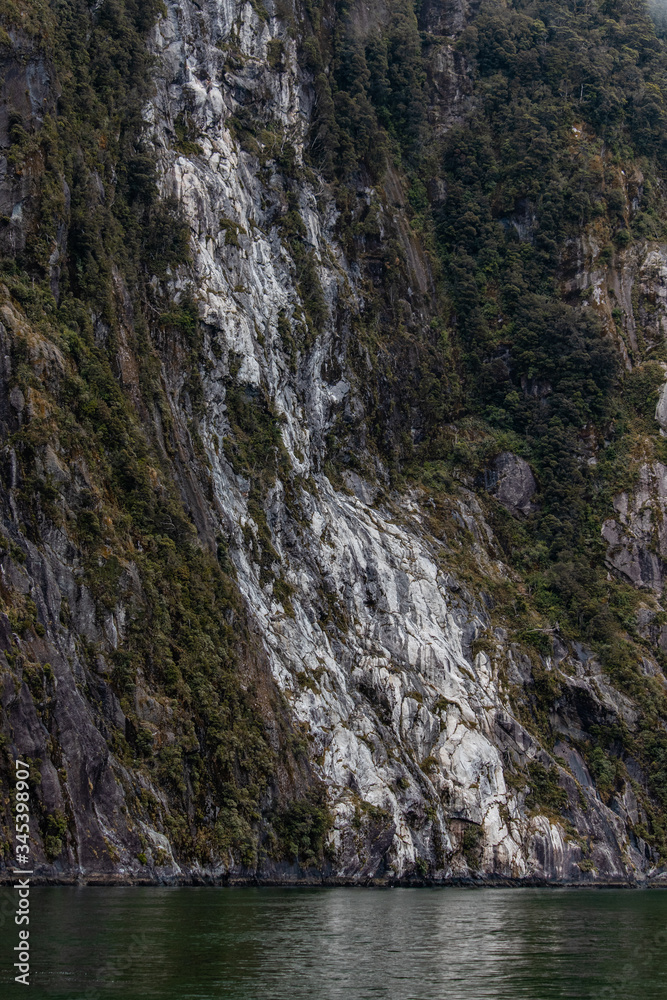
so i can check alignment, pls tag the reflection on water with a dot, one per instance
(352, 944)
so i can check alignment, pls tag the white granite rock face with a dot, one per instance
(408, 727)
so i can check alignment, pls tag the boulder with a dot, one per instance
(637, 536)
(513, 483)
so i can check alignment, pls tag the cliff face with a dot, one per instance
(365, 694)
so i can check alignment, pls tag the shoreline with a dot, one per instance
(241, 882)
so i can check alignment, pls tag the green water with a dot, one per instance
(289, 944)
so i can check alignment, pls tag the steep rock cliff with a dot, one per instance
(385, 705)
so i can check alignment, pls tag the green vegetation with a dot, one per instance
(421, 866)
(186, 135)
(186, 635)
(302, 829)
(293, 232)
(563, 140)
(471, 844)
(545, 793)
(56, 829)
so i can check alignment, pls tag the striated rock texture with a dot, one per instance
(271, 604)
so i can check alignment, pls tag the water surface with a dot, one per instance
(352, 944)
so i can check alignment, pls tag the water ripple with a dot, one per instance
(345, 944)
